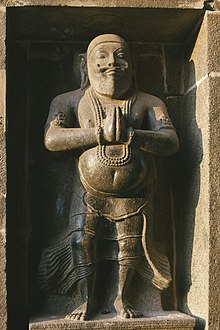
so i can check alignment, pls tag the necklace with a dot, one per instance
(98, 109)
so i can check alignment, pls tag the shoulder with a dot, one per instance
(68, 100)
(149, 100)
(156, 111)
(66, 105)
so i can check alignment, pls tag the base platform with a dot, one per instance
(155, 320)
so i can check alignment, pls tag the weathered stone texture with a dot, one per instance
(173, 56)
(213, 20)
(200, 138)
(81, 24)
(165, 321)
(196, 204)
(214, 261)
(213, 41)
(2, 99)
(201, 110)
(195, 151)
(3, 306)
(197, 4)
(2, 36)
(197, 68)
(3, 292)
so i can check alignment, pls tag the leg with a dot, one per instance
(122, 306)
(85, 311)
(130, 250)
(87, 252)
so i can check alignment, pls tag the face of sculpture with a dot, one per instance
(109, 68)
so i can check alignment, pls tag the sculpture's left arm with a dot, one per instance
(160, 136)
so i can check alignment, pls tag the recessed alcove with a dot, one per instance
(43, 44)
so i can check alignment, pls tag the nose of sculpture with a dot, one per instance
(111, 60)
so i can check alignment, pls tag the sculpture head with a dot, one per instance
(109, 65)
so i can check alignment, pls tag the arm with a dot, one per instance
(58, 138)
(163, 142)
(160, 138)
(60, 134)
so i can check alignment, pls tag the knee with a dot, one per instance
(88, 242)
(130, 247)
(84, 248)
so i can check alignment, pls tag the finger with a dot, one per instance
(111, 124)
(118, 123)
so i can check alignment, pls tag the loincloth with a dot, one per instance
(76, 256)
(115, 208)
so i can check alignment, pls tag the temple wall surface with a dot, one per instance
(187, 71)
(201, 174)
(3, 172)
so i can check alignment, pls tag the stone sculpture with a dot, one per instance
(114, 131)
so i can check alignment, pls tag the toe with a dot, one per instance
(136, 314)
(125, 315)
(130, 312)
(70, 316)
(84, 317)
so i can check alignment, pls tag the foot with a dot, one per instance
(125, 310)
(79, 314)
(106, 310)
(128, 312)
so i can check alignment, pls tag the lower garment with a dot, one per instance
(77, 255)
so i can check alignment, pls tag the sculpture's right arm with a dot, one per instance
(60, 133)
(58, 138)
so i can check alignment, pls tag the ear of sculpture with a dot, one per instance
(134, 76)
(83, 71)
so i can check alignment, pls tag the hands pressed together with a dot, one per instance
(114, 128)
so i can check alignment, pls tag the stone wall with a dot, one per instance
(194, 4)
(188, 71)
(200, 221)
(3, 173)
(213, 27)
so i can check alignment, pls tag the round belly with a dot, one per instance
(114, 170)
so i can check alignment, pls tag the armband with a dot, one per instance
(165, 123)
(130, 135)
(60, 119)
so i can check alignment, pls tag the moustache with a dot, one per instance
(113, 69)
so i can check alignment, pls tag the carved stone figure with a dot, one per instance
(114, 131)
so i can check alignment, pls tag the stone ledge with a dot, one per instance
(154, 320)
(182, 4)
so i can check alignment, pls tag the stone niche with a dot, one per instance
(171, 55)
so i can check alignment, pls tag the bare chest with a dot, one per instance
(92, 116)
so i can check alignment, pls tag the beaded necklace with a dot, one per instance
(98, 109)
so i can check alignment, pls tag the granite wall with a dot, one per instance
(180, 47)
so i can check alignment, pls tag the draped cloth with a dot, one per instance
(67, 260)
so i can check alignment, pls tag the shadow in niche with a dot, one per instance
(51, 172)
(191, 156)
